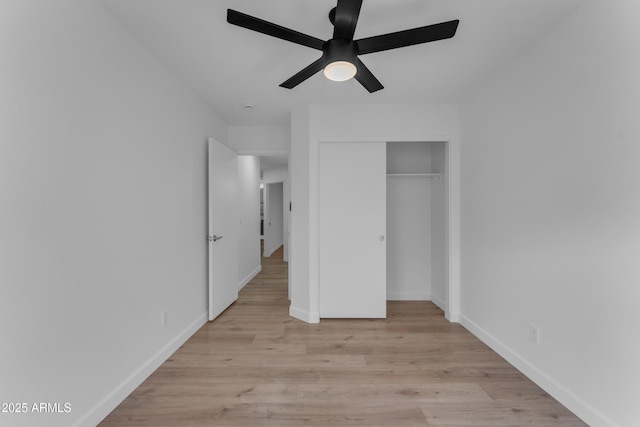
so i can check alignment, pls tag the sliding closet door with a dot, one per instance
(352, 221)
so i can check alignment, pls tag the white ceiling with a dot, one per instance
(228, 65)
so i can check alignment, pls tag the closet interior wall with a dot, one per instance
(416, 221)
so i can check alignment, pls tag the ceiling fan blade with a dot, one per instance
(366, 78)
(303, 75)
(346, 18)
(430, 33)
(246, 21)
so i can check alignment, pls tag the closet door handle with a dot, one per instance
(381, 238)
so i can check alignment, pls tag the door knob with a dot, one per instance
(216, 238)
(381, 238)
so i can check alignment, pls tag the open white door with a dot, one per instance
(352, 221)
(223, 228)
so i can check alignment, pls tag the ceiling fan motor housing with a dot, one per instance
(340, 50)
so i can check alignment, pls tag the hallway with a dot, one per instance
(256, 366)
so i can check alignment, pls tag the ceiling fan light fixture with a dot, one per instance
(340, 71)
(340, 54)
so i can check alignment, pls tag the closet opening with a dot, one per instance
(417, 236)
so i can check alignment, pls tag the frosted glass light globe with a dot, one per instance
(340, 71)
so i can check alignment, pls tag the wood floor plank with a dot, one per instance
(205, 347)
(278, 415)
(492, 415)
(398, 394)
(257, 366)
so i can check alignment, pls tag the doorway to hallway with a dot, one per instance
(274, 227)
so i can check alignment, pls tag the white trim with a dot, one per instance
(587, 413)
(304, 315)
(387, 138)
(452, 317)
(440, 303)
(268, 253)
(452, 296)
(96, 414)
(249, 277)
(408, 296)
(263, 152)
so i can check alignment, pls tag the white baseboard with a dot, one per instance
(268, 253)
(113, 399)
(408, 296)
(587, 413)
(304, 315)
(439, 302)
(249, 277)
(451, 316)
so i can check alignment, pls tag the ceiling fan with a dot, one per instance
(340, 54)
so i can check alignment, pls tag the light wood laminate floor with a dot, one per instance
(257, 366)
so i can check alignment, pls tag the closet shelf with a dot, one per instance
(415, 175)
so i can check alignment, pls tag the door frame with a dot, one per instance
(452, 150)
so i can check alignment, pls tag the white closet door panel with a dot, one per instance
(352, 221)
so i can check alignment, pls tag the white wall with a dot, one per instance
(409, 157)
(249, 263)
(408, 238)
(551, 209)
(279, 174)
(260, 140)
(102, 210)
(312, 124)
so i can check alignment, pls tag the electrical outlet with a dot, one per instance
(164, 318)
(534, 334)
